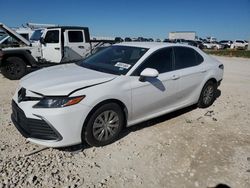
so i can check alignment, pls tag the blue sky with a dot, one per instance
(224, 19)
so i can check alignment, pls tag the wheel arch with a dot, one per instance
(211, 79)
(25, 55)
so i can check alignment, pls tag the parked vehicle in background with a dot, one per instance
(239, 44)
(56, 45)
(211, 39)
(142, 39)
(218, 46)
(192, 43)
(118, 39)
(127, 39)
(157, 40)
(247, 42)
(200, 44)
(181, 41)
(120, 86)
(208, 45)
(226, 43)
(168, 40)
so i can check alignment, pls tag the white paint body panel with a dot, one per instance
(143, 100)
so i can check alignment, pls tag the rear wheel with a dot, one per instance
(13, 68)
(104, 125)
(207, 96)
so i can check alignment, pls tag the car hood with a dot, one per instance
(63, 79)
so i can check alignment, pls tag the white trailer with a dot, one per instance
(187, 35)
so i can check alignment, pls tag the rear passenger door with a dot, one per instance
(190, 72)
(75, 47)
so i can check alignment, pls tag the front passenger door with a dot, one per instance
(154, 95)
(51, 49)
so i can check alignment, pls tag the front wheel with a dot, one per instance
(207, 96)
(104, 125)
(13, 68)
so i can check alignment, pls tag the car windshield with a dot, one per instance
(36, 35)
(114, 59)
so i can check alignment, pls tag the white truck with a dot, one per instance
(59, 44)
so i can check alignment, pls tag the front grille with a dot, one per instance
(32, 128)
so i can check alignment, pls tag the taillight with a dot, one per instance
(221, 66)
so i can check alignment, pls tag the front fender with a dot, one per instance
(24, 54)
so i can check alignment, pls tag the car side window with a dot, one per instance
(75, 36)
(52, 36)
(161, 60)
(186, 57)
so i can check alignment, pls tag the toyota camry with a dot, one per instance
(119, 86)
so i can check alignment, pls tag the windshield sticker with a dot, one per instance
(122, 65)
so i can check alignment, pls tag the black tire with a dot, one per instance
(90, 134)
(207, 96)
(14, 68)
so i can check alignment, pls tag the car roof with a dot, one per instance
(150, 45)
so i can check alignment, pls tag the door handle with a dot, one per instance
(203, 71)
(82, 47)
(57, 48)
(175, 77)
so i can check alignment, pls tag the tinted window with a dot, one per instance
(75, 36)
(160, 60)
(186, 57)
(52, 36)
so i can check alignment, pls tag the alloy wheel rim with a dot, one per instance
(105, 125)
(13, 68)
(208, 95)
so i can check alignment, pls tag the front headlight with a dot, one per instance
(58, 102)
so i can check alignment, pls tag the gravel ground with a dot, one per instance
(189, 148)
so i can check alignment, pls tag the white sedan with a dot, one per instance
(117, 87)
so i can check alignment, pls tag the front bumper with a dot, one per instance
(58, 127)
(33, 128)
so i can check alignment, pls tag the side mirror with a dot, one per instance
(148, 73)
(42, 41)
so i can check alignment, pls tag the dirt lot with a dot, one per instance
(189, 148)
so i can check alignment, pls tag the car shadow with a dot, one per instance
(146, 124)
(220, 186)
(157, 120)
